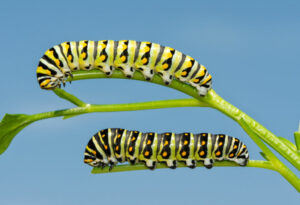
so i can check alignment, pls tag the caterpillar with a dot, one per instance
(58, 63)
(113, 145)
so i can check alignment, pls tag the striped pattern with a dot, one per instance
(59, 62)
(113, 145)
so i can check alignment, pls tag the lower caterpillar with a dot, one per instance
(113, 145)
(58, 63)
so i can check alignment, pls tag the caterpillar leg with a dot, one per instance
(107, 69)
(208, 163)
(150, 164)
(171, 164)
(241, 161)
(127, 70)
(167, 78)
(190, 163)
(147, 72)
(202, 91)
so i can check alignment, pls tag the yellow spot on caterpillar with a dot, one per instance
(236, 140)
(103, 135)
(185, 142)
(84, 44)
(66, 46)
(196, 80)
(123, 58)
(43, 71)
(117, 148)
(207, 79)
(244, 146)
(189, 64)
(202, 153)
(231, 155)
(45, 82)
(220, 143)
(49, 53)
(147, 153)
(166, 143)
(124, 46)
(57, 62)
(135, 131)
(165, 66)
(218, 153)
(186, 134)
(130, 149)
(149, 142)
(167, 134)
(105, 147)
(102, 57)
(103, 46)
(144, 60)
(164, 154)
(235, 147)
(147, 49)
(132, 139)
(70, 57)
(88, 160)
(169, 55)
(83, 55)
(203, 142)
(183, 74)
(183, 153)
(201, 73)
(119, 135)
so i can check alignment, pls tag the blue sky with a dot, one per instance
(250, 48)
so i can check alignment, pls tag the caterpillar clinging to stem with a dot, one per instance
(58, 63)
(113, 145)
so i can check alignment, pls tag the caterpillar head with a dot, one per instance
(49, 83)
(48, 77)
(91, 159)
(91, 156)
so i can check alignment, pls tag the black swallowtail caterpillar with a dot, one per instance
(58, 63)
(113, 145)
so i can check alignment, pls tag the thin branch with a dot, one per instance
(12, 124)
(276, 163)
(69, 97)
(141, 166)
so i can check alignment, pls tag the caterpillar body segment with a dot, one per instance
(58, 63)
(113, 145)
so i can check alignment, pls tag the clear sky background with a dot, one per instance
(251, 48)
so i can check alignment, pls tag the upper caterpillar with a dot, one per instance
(113, 145)
(58, 63)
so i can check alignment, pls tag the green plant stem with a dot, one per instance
(128, 167)
(214, 101)
(276, 163)
(11, 125)
(297, 139)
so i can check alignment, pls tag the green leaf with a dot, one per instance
(10, 126)
(264, 156)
